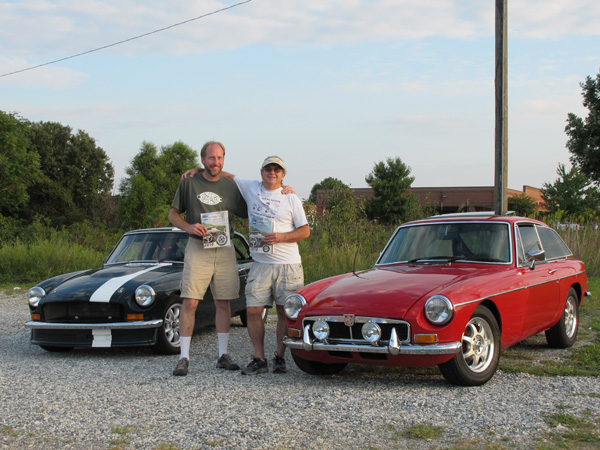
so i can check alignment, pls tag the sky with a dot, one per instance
(331, 86)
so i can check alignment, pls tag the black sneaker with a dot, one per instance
(279, 364)
(181, 370)
(256, 366)
(225, 362)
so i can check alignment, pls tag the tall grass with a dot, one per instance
(45, 257)
(585, 245)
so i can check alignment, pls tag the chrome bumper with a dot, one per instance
(394, 346)
(33, 325)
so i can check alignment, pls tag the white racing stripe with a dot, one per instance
(106, 291)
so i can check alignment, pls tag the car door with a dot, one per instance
(542, 281)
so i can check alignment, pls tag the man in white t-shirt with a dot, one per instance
(277, 223)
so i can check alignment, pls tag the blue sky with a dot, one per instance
(331, 86)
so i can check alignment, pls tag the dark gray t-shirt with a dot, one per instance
(196, 195)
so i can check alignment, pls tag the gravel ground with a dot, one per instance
(128, 399)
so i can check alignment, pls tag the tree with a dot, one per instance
(523, 205)
(392, 203)
(328, 183)
(584, 135)
(572, 193)
(19, 167)
(153, 178)
(76, 175)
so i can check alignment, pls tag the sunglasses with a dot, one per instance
(275, 169)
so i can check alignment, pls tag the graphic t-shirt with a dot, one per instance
(196, 196)
(285, 211)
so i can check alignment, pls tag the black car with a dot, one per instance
(133, 300)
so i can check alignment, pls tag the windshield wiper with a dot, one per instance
(425, 259)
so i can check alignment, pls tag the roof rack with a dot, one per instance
(473, 214)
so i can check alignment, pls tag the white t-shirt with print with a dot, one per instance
(285, 210)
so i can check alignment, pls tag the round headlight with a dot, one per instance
(144, 295)
(35, 295)
(371, 332)
(320, 329)
(293, 305)
(439, 310)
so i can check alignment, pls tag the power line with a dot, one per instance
(125, 40)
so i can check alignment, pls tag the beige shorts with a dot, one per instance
(272, 282)
(214, 267)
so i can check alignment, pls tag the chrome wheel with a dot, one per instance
(171, 324)
(478, 359)
(167, 339)
(478, 345)
(564, 333)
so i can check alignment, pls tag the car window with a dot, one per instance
(553, 244)
(149, 247)
(473, 241)
(242, 252)
(528, 241)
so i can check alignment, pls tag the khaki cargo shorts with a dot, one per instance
(214, 267)
(272, 282)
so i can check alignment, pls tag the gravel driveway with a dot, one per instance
(128, 399)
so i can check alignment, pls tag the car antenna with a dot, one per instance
(355, 257)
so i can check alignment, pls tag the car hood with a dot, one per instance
(99, 285)
(388, 291)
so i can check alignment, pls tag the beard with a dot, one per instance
(213, 170)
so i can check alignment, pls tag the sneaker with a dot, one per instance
(279, 364)
(182, 367)
(256, 366)
(225, 362)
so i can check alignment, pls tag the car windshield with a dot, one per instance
(149, 247)
(471, 241)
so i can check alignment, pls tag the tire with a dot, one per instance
(221, 239)
(317, 368)
(564, 333)
(55, 348)
(477, 362)
(244, 317)
(167, 339)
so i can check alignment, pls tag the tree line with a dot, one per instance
(56, 176)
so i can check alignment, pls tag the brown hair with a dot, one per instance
(205, 146)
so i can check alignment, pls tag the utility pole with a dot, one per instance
(501, 139)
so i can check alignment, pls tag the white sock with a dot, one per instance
(184, 346)
(223, 342)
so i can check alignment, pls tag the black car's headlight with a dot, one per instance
(438, 310)
(36, 293)
(144, 295)
(293, 305)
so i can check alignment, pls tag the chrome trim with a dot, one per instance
(553, 280)
(34, 325)
(394, 348)
(357, 319)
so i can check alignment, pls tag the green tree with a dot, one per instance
(19, 167)
(76, 179)
(572, 194)
(584, 134)
(153, 178)
(393, 203)
(523, 205)
(328, 183)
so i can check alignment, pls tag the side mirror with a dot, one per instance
(536, 255)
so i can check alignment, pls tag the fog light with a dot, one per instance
(371, 332)
(320, 329)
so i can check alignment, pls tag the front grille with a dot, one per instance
(340, 333)
(81, 312)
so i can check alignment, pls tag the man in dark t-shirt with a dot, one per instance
(207, 263)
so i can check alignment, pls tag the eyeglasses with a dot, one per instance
(275, 169)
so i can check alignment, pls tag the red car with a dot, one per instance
(449, 291)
